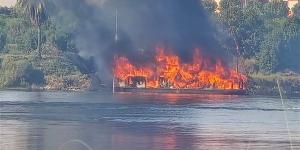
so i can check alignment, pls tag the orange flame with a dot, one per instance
(169, 72)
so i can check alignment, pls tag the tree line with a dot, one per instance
(267, 34)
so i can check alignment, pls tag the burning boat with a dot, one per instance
(169, 74)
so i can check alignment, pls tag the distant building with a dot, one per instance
(7, 3)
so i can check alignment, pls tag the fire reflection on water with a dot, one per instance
(177, 98)
(147, 121)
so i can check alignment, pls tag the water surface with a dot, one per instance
(103, 121)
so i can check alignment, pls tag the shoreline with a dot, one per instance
(267, 91)
(257, 84)
(267, 85)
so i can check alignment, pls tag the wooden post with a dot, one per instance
(113, 84)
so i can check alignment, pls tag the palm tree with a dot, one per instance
(36, 11)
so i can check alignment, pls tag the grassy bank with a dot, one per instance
(260, 84)
(48, 73)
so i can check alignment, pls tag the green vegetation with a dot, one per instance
(210, 5)
(27, 71)
(15, 71)
(36, 10)
(263, 32)
(268, 42)
(38, 49)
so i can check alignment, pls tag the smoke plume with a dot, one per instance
(180, 25)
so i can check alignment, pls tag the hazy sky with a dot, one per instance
(7, 3)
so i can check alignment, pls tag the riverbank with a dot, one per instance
(264, 85)
(59, 72)
(75, 83)
(259, 84)
(62, 73)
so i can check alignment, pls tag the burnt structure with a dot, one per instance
(138, 84)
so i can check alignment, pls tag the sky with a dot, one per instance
(7, 3)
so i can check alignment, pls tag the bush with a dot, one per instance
(53, 33)
(268, 56)
(21, 37)
(249, 66)
(2, 41)
(5, 10)
(69, 83)
(33, 76)
(2, 32)
(17, 72)
(59, 66)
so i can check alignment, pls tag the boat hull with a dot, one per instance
(181, 91)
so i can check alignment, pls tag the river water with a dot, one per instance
(103, 121)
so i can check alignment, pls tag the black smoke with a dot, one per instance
(180, 25)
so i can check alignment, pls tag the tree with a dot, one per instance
(280, 32)
(21, 36)
(4, 14)
(210, 5)
(231, 17)
(268, 55)
(296, 10)
(2, 34)
(2, 40)
(231, 13)
(5, 10)
(289, 48)
(252, 29)
(61, 33)
(36, 10)
(276, 9)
